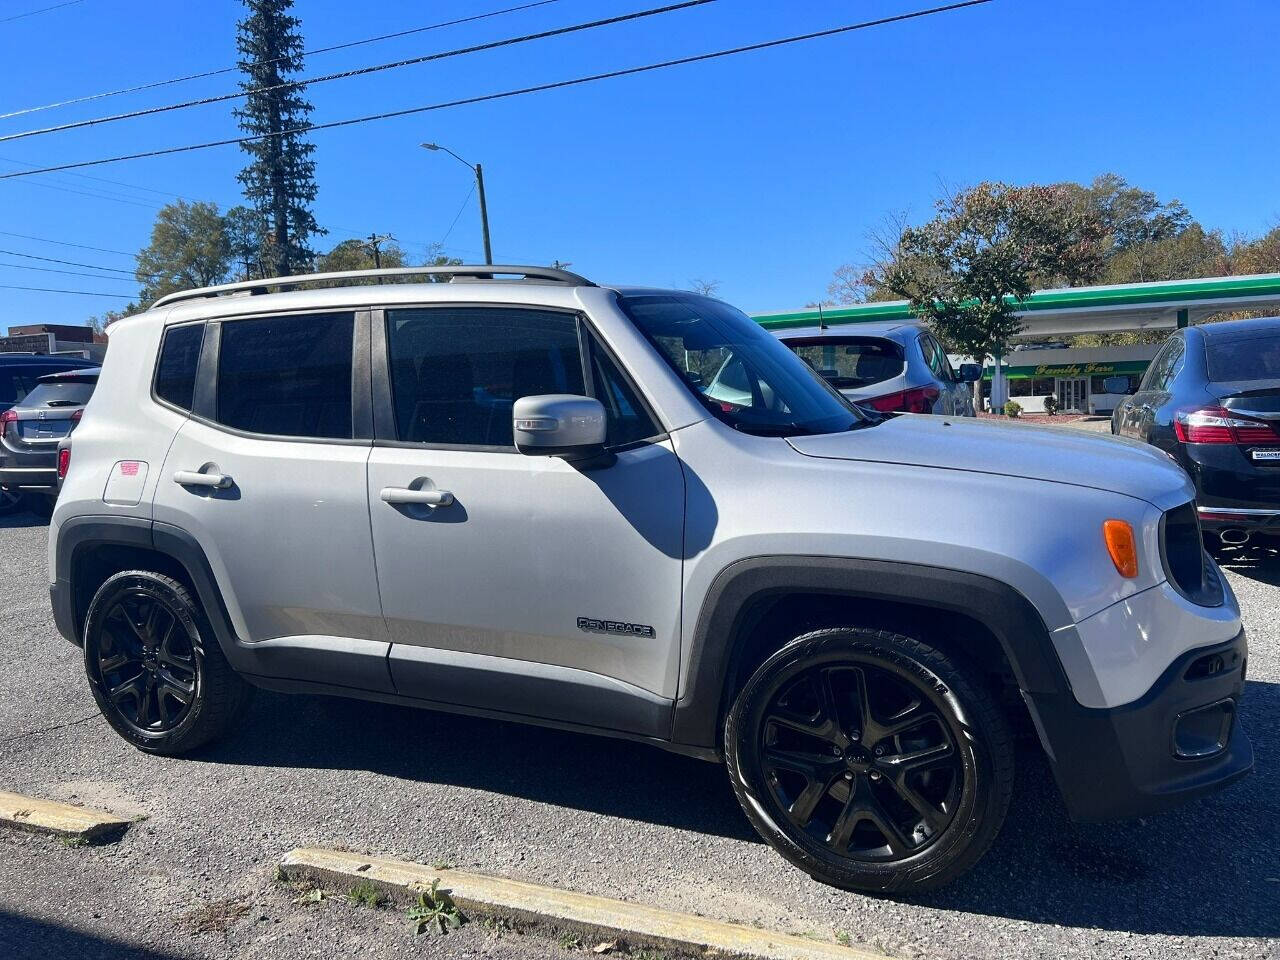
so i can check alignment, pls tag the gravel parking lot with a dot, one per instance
(603, 816)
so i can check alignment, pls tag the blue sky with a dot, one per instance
(764, 171)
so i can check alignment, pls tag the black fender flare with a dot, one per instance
(1010, 617)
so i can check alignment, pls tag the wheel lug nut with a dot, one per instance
(875, 775)
(848, 776)
(855, 735)
(836, 751)
(879, 751)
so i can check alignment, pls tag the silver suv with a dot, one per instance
(511, 494)
(892, 367)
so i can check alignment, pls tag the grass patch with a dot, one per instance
(365, 894)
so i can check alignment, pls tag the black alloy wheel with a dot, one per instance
(146, 662)
(859, 759)
(157, 672)
(870, 760)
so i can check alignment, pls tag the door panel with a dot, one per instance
(529, 547)
(287, 538)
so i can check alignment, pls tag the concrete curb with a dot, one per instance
(59, 819)
(597, 917)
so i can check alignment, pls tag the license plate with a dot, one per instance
(1266, 454)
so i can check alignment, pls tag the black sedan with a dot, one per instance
(29, 435)
(1211, 400)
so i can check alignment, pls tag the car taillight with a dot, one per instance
(8, 416)
(75, 417)
(919, 400)
(64, 461)
(1218, 425)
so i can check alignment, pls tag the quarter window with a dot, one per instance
(457, 371)
(179, 357)
(287, 376)
(625, 416)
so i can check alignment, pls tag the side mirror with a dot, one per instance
(970, 372)
(1116, 385)
(558, 425)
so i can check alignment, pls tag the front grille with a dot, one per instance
(1186, 564)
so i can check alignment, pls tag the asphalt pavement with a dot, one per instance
(609, 817)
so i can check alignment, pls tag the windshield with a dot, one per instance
(60, 393)
(851, 362)
(740, 372)
(1255, 358)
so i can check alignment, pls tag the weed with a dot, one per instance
(365, 894)
(435, 910)
(214, 917)
(498, 926)
(843, 939)
(442, 865)
(73, 842)
(647, 955)
(569, 941)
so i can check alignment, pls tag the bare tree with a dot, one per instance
(706, 288)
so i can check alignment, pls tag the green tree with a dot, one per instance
(279, 180)
(189, 248)
(247, 234)
(1192, 252)
(967, 270)
(1129, 215)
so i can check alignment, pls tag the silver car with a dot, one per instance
(634, 512)
(891, 367)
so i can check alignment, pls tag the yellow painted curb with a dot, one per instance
(59, 819)
(477, 894)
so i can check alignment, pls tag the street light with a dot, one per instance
(484, 208)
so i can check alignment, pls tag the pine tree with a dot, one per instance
(279, 180)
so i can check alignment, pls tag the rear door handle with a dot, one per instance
(191, 478)
(429, 498)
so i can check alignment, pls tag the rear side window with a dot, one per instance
(1257, 358)
(176, 371)
(456, 372)
(851, 362)
(15, 384)
(287, 376)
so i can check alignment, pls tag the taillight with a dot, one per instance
(8, 416)
(919, 400)
(1218, 425)
(75, 417)
(64, 461)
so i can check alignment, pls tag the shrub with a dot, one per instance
(1051, 405)
(1012, 408)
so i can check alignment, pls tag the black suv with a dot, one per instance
(1211, 400)
(41, 399)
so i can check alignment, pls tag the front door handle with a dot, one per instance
(428, 498)
(192, 478)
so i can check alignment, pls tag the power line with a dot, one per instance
(70, 273)
(67, 263)
(306, 53)
(82, 293)
(32, 13)
(66, 243)
(85, 176)
(489, 97)
(358, 72)
(456, 216)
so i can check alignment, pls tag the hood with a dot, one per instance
(1055, 454)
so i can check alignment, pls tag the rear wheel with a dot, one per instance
(154, 666)
(870, 760)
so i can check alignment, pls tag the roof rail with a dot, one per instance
(460, 272)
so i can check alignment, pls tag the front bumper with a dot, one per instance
(1180, 741)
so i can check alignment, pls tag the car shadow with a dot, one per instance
(605, 775)
(33, 939)
(1207, 869)
(1258, 560)
(23, 518)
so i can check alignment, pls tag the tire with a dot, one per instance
(155, 668)
(803, 759)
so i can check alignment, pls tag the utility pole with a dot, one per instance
(374, 242)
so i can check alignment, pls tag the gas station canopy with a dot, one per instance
(1072, 310)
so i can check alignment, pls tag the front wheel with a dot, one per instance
(155, 667)
(870, 760)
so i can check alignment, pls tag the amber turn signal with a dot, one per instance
(1122, 546)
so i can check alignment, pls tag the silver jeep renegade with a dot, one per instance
(523, 495)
